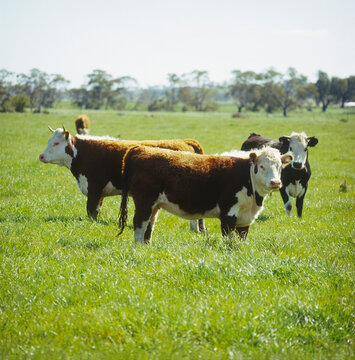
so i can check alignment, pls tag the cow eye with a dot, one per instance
(290, 148)
(262, 167)
(56, 143)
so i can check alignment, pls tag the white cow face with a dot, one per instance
(298, 146)
(55, 152)
(266, 169)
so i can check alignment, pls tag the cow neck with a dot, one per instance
(71, 150)
(258, 199)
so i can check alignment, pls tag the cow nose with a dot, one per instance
(41, 158)
(275, 184)
(297, 165)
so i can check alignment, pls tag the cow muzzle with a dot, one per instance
(275, 184)
(297, 165)
(42, 158)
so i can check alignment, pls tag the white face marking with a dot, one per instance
(55, 150)
(83, 184)
(110, 190)
(268, 176)
(245, 210)
(298, 148)
(163, 202)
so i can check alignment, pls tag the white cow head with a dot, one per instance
(297, 144)
(60, 149)
(266, 169)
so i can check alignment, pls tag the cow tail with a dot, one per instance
(196, 145)
(122, 218)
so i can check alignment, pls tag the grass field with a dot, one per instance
(69, 288)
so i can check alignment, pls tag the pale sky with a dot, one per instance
(147, 39)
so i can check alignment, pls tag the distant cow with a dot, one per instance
(82, 124)
(198, 186)
(294, 177)
(96, 162)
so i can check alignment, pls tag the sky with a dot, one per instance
(147, 39)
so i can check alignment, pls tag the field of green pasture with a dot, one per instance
(69, 288)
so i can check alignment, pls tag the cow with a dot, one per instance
(96, 163)
(197, 186)
(296, 175)
(82, 124)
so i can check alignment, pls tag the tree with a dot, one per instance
(19, 102)
(41, 88)
(323, 86)
(198, 90)
(6, 86)
(243, 88)
(79, 97)
(350, 90)
(172, 92)
(338, 88)
(284, 89)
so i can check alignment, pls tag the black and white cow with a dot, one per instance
(296, 175)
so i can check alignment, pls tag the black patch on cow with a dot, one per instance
(258, 199)
(69, 150)
(256, 169)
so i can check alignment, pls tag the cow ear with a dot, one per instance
(50, 129)
(286, 159)
(252, 158)
(312, 141)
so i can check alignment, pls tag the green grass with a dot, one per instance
(69, 288)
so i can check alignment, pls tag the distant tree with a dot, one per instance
(79, 97)
(19, 102)
(338, 88)
(283, 88)
(243, 88)
(323, 86)
(6, 87)
(172, 92)
(106, 91)
(197, 91)
(350, 90)
(41, 88)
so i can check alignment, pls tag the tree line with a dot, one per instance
(270, 91)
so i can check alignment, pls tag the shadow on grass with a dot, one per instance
(263, 218)
(69, 219)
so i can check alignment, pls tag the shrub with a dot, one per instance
(19, 102)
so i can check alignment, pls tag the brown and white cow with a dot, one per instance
(82, 124)
(296, 175)
(96, 162)
(198, 186)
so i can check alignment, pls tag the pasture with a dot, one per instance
(69, 288)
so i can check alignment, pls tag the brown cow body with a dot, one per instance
(96, 162)
(82, 124)
(196, 186)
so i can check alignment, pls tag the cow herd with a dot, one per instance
(177, 176)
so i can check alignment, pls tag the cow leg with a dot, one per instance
(94, 204)
(150, 227)
(141, 221)
(201, 225)
(287, 200)
(243, 231)
(299, 203)
(228, 224)
(197, 225)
